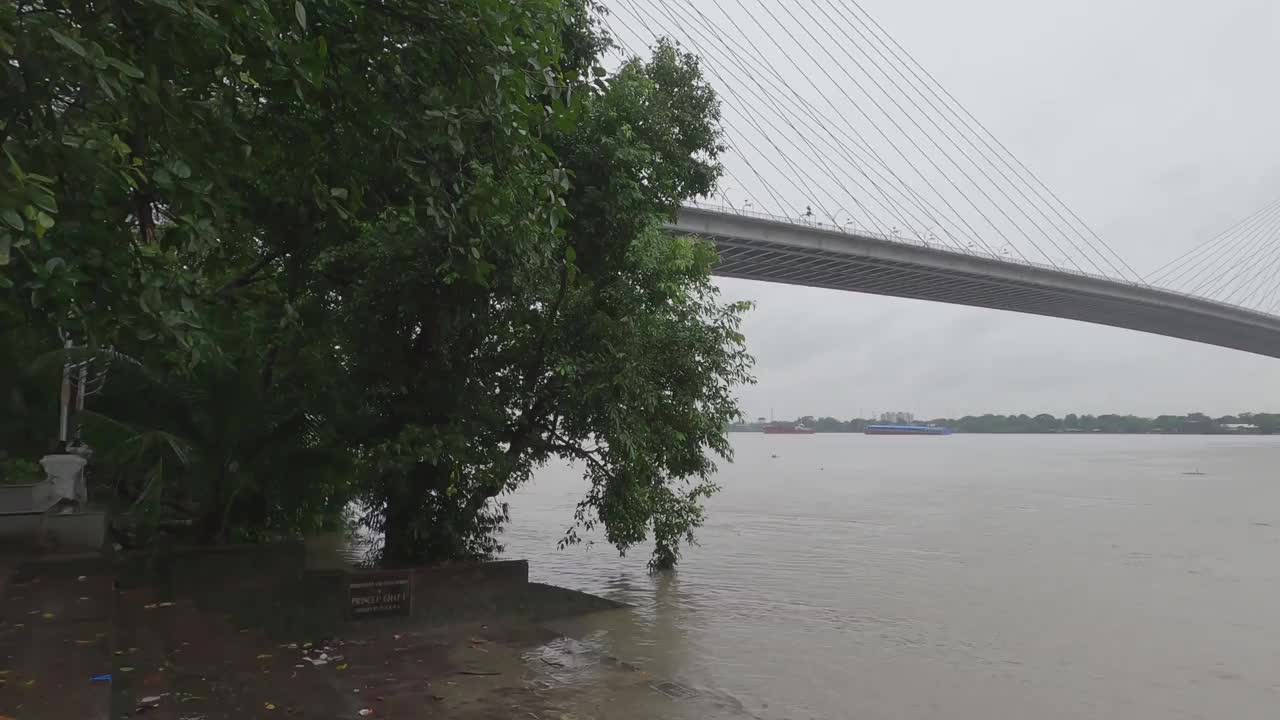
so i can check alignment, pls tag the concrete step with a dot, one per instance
(51, 529)
(26, 497)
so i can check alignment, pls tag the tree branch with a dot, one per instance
(249, 276)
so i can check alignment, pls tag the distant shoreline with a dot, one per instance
(737, 429)
(1045, 424)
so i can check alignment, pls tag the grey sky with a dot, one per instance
(1153, 119)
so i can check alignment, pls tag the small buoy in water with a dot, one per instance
(774, 456)
(1194, 472)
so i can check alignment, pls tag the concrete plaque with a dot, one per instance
(373, 595)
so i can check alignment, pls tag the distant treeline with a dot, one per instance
(1190, 424)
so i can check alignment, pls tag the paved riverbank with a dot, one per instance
(75, 645)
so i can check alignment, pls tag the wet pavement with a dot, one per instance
(55, 636)
(76, 647)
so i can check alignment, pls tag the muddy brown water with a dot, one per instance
(968, 577)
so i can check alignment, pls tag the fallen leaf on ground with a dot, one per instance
(343, 666)
(82, 578)
(152, 698)
(150, 606)
(164, 604)
(84, 597)
(48, 616)
(264, 656)
(29, 683)
(366, 712)
(126, 669)
(269, 706)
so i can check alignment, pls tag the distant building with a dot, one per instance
(897, 417)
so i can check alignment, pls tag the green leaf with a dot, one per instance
(181, 169)
(162, 178)
(68, 43)
(53, 264)
(172, 5)
(340, 193)
(125, 68)
(43, 220)
(599, 71)
(300, 12)
(5, 241)
(12, 218)
(43, 199)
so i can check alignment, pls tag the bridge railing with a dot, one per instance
(854, 229)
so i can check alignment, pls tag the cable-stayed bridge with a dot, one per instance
(848, 165)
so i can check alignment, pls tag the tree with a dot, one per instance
(829, 424)
(451, 205)
(594, 336)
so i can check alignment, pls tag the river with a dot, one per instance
(965, 577)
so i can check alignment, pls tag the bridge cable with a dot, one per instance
(1257, 272)
(860, 143)
(1007, 173)
(1215, 254)
(1224, 257)
(805, 178)
(1165, 270)
(627, 54)
(1236, 263)
(921, 111)
(876, 126)
(986, 133)
(769, 99)
(730, 132)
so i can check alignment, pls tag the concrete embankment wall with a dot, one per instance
(271, 586)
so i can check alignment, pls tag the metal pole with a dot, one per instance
(66, 398)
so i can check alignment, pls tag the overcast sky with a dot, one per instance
(1155, 120)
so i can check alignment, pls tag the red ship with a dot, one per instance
(778, 428)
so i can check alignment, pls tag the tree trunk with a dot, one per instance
(398, 541)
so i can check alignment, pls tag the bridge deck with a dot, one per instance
(763, 249)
